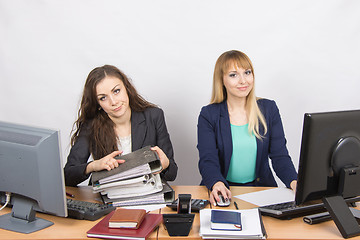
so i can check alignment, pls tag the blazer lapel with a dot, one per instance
(226, 135)
(260, 146)
(138, 130)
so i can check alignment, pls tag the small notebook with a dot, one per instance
(225, 220)
(127, 218)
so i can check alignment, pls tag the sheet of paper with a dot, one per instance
(267, 197)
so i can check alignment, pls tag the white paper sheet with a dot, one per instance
(267, 197)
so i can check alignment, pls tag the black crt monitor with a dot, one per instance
(329, 165)
(31, 170)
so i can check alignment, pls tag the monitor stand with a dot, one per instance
(22, 218)
(342, 216)
(345, 162)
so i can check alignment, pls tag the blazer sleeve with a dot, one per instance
(77, 161)
(163, 141)
(278, 153)
(210, 164)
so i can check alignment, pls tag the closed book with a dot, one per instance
(225, 220)
(127, 218)
(102, 230)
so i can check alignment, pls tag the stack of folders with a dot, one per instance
(126, 224)
(134, 182)
(231, 224)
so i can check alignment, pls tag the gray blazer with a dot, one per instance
(147, 128)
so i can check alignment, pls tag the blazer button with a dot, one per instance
(258, 179)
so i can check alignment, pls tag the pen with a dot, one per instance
(236, 206)
(70, 195)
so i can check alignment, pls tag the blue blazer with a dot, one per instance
(215, 146)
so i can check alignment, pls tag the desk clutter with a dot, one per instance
(133, 182)
(144, 227)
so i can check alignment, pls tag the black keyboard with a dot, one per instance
(196, 204)
(87, 210)
(289, 210)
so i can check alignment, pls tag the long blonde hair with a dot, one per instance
(219, 94)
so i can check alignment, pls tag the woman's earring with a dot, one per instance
(99, 108)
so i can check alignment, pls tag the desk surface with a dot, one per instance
(66, 228)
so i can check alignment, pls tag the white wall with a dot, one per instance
(305, 53)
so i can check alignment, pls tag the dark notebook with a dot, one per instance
(225, 220)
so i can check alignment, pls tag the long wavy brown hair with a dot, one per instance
(102, 137)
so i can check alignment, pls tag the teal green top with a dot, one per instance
(243, 159)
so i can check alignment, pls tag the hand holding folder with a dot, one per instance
(134, 159)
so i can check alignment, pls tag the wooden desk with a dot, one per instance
(290, 229)
(66, 228)
(63, 228)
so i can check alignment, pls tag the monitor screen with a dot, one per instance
(329, 165)
(31, 170)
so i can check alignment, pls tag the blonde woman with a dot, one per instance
(238, 133)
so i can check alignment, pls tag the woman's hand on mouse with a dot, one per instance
(219, 188)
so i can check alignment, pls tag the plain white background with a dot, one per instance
(305, 54)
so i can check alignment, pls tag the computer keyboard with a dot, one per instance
(196, 204)
(87, 210)
(289, 210)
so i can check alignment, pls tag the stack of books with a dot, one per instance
(126, 224)
(134, 182)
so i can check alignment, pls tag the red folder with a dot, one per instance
(102, 230)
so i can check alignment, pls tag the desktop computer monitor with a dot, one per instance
(329, 165)
(31, 170)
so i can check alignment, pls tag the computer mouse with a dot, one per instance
(223, 202)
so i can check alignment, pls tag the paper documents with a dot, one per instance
(134, 182)
(268, 197)
(251, 226)
(134, 172)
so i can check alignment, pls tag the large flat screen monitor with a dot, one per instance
(31, 170)
(329, 165)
